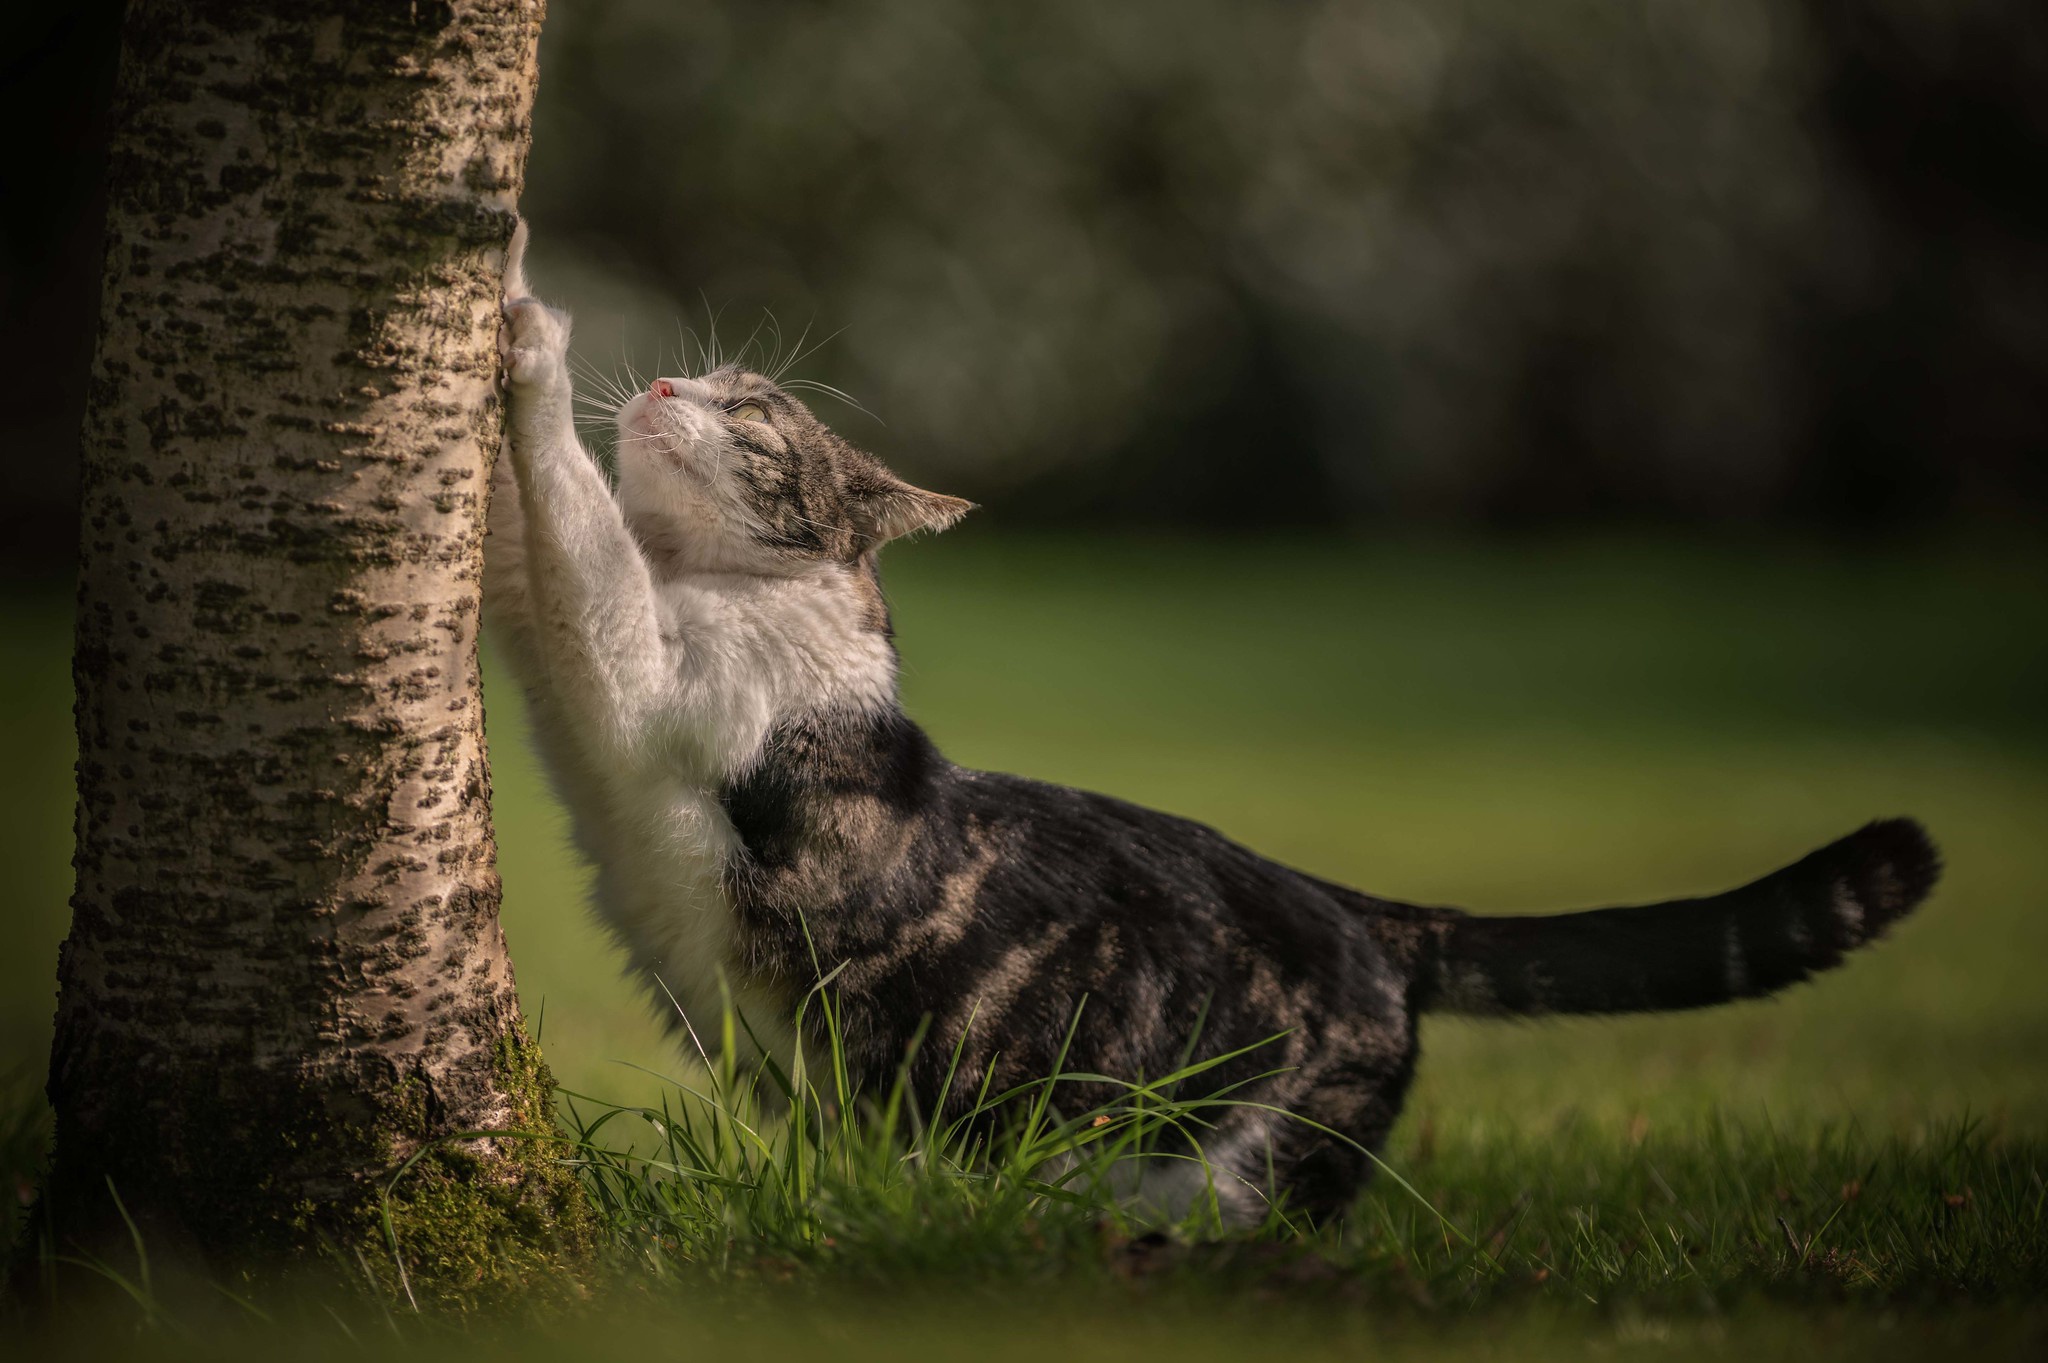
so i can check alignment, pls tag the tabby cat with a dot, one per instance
(713, 684)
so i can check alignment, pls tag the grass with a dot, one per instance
(1857, 1167)
(855, 1192)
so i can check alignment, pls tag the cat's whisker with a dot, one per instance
(783, 365)
(753, 335)
(640, 384)
(779, 365)
(715, 360)
(623, 386)
(624, 381)
(802, 352)
(603, 405)
(702, 365)
(773, 358)
(607, 384)
(814, 386)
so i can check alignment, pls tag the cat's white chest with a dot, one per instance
(661, 889)
(741, 655)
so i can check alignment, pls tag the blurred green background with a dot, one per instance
(1515, 456)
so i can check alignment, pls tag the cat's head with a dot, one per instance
(729, 472)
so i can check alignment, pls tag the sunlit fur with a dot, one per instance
(706, 491)
(663, 630)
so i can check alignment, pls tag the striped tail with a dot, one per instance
(1685, 954)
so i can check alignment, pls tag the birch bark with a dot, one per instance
(285, 971)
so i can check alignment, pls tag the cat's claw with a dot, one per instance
(515, 264)
(534, 343)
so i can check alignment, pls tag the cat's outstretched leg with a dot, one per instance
(593, 624)
(508, 596)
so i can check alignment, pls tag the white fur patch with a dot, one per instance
(1167, 1188)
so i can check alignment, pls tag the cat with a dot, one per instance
(713, 686)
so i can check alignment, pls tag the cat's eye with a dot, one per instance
(749, 411)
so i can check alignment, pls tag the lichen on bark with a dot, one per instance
(285, 970)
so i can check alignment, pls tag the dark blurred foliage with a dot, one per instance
(1931, 364)
(1467, 263)
(56, 75)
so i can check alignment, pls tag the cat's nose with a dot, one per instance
(663, 389)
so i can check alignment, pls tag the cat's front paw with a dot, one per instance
(534, 344)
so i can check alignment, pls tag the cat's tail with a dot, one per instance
(1685, 954)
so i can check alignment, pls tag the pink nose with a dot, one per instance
(664, 389)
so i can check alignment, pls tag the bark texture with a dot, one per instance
(285, 971)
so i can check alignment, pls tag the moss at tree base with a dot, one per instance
(481, 1224)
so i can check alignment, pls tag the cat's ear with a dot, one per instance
(896, 508)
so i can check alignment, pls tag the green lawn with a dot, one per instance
(1507, 729)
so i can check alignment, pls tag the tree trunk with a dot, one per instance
(285, 972)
